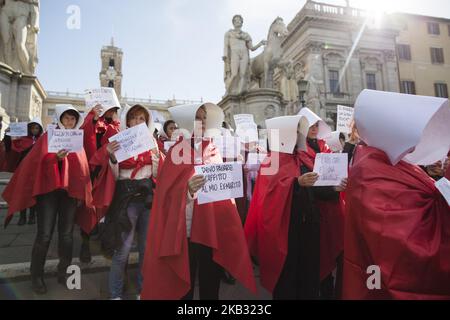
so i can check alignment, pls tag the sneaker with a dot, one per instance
(118, 298)
(138, 297)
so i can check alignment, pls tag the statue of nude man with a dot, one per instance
(237, 58)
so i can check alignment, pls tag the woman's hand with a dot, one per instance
(308, 179)
(342, 186)
(97, 111)
(62, 154)
(196, 183)
(112, 148)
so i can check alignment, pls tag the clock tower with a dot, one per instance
(111, 73)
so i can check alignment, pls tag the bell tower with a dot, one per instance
(111, 73)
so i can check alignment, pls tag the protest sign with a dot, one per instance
(443, 186)
(18, 129)
(69, 140)
(332, 168)
(106, 97)
(223, 181)
(133, 142)
(344, 119)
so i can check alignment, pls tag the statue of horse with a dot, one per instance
(263, 65)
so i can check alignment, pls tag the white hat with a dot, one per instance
(184, 116)
(38, 121)
(282, 133)
(409, 127)
(123, 118)
(159, 127)
(59, 111)
(324, 128)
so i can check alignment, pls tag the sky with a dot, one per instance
(172, 48)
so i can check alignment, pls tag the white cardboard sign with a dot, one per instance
(344, 119)
(443, 186)
(70, 140)
(18, 129)
(223, 182)
(106, 97)
(229, 146)
(332, 168)
(133, 142)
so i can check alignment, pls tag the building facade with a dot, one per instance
(423, 49)
(337, 52)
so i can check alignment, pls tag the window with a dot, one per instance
(437, 55)
(371, 81)
(334, 81)
(408, 87)
(111, 84)
(111, 63)
(441, 90)
(433, 28)
(404, 52)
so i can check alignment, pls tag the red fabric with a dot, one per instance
(397, 220)
(144, 159)
(9, 160)
(91, 130)
(39, 174)
(267, 224)
(331, 219)
(216, 225)
(21, 144)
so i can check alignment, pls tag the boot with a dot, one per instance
(23, 218)
(85, 252)
(32, 218)
(227, 278)
(38, 285)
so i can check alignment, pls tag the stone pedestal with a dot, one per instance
(4, 119)
(22, 95)
(262, 103)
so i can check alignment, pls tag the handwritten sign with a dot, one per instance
(106, 97)
(332, 168)
(223, 182)
(70, 140)
(133, 142)
(229, 146)
(344, 119)
(18, 129)
(443, 186)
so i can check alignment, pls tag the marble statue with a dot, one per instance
(236, 57)
(263, 65)
(19, 26)
(288, 83)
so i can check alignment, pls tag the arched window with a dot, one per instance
(111, 62)
(111, 84)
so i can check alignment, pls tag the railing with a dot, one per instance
(171, 102)
(328, 9)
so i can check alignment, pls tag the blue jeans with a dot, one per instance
(139, 216)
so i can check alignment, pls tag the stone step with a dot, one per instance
(22, 270)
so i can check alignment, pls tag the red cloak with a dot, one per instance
(397, 220)
(331, 219)
(91, 130)
(9, 159)
(267, 224)
(39, 174)
(22, 144)
(216, 225)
